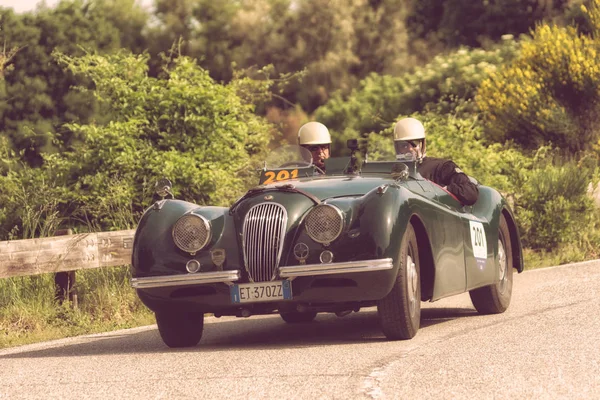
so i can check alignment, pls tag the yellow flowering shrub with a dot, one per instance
(550, 93)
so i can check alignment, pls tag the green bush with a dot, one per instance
(29, 197)
(554, 208)
(184, 126)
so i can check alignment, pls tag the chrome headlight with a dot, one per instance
(191, 233)
(324, 223)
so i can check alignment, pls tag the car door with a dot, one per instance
(478, 265)
(447, 246)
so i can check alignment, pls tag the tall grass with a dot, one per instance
(35, 207)
(29, 313)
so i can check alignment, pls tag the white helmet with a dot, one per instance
(409, 129)
(313, 133)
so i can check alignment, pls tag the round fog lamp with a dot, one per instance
(326, 257)
(192, 266)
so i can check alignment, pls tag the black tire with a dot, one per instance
(495, 299)
(400, 311)
(180, 329)
(295, 317)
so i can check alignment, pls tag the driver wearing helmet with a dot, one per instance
(315, 137)
(409, 138)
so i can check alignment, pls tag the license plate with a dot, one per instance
(261, 291)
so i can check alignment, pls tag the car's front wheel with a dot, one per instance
(400, 311)
(495, 298)
(295, 317)
(180, 329)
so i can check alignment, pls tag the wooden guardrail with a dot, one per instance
(65, 253)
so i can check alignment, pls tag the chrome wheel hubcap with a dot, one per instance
(413, 282)
(502, 266)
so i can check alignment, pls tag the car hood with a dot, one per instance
(335, 186)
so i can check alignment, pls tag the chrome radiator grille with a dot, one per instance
(263, 234)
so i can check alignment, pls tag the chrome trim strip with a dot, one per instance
(185, 279)
(336, 268)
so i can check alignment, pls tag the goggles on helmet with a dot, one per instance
(316, 147)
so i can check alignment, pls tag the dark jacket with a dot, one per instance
(446, 173)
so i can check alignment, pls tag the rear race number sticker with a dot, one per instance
(478, 242)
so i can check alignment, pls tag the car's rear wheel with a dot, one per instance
(495, 299)
(180, 329)
(295, 317)
(400, 311)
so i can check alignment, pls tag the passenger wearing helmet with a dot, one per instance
(409, 138)
(315, 137)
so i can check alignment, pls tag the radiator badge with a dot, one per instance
(301, 252)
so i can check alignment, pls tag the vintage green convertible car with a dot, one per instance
(304, 242)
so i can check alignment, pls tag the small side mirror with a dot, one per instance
(352, 144)
(163, 188)
(400, 172)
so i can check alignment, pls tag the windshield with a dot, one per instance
(380, 148)
(287, 157)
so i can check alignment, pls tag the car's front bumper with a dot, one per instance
(199, 278)
(291, 272)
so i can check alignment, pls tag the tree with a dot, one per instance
(175, 24)
(336, 42)
(38, 98)
(473, 22)
(6, 55)
(128, 17)
(382, 38)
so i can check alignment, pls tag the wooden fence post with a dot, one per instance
(65, 281)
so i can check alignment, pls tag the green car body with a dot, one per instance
(359, 268)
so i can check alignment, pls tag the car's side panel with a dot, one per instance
(455, 207)
(443, 225)
(480, 234)
(485, 213)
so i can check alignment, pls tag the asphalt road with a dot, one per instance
(546, 346)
